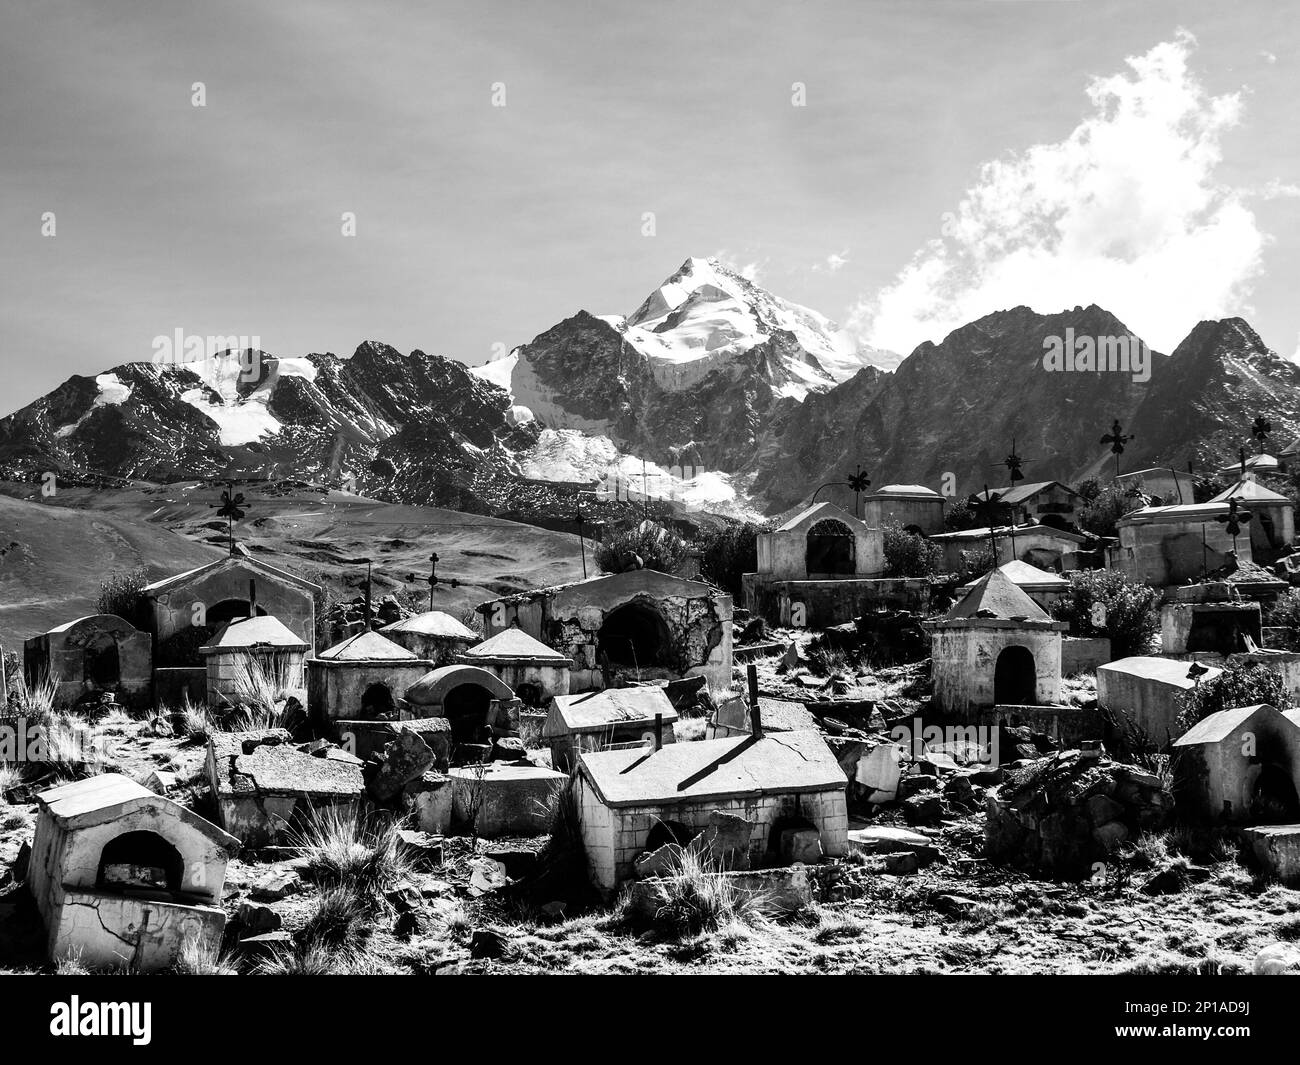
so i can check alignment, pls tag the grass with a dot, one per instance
(699, 898)
(10, 777)
(36, 701)
(199, 957)
(344, 851)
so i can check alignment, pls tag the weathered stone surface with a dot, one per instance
(277, 885)
(1047, 815)
(486, 875)
(725, 840)
(886, 839)
(256, 919)
(405, 758)
(658, 863)
(1277, 959)
(801, 845)
(422, 849)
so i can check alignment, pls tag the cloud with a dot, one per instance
(1268, 57)
(834, 261)
(1124, 212)
(753, 271)
(1277, 190)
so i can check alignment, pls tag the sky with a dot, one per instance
(902, 167)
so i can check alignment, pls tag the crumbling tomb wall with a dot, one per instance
(615, 835)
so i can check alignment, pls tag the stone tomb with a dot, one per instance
(1147, 692)
(640, 624)
(1240, 765)
(223, 589)
(265, 788)
(123, 877)
(474, 701)
(533, 671)
(361, 679)
(599, 721)
(1209, 617)
(433, 635)
(97, 653)
(995, 647)
(502, 799)
(251, 650)
(630, 801)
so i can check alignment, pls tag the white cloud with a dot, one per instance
(1278, 190)
(1124, 212)
(1268, 57)
(753, 270)
(834, 261)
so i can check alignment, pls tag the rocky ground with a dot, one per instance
(485, 909)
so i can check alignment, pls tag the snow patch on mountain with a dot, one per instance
(112, 391)
(241, 419)
(569, 455)
(499, 371)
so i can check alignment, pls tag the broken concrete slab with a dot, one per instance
(888, 839)
(404, 758)
(263, 785)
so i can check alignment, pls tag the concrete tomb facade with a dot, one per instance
(639, 624)
(123, 877)
(361, 679)
(910, 506)
(1168, 545)
(603, 720)
(433, 635)
(995, 647)
(533, 671)
(265, 788)
(631, 801)
(1147, 691)
(223, 591)
(250, 649)
(94, 654)
(470, 698)
(1240, 765)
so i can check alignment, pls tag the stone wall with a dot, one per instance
(832, 602)
(614, 836)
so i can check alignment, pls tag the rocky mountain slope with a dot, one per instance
(713, 395)
(954, 407)
(707, 361)
(412, 427)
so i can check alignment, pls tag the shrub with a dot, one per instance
(1131, 617)
(1099, 514)
(908, 554)
(1286, 611)
(1230, 689)
(727, 552)
(647, 546)
(960, 515)
(120, 594)
(699, 897)
(977, 561)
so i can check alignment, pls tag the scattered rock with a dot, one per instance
(486, 875)
(487, 943)
(256, 919)
(277, 885)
